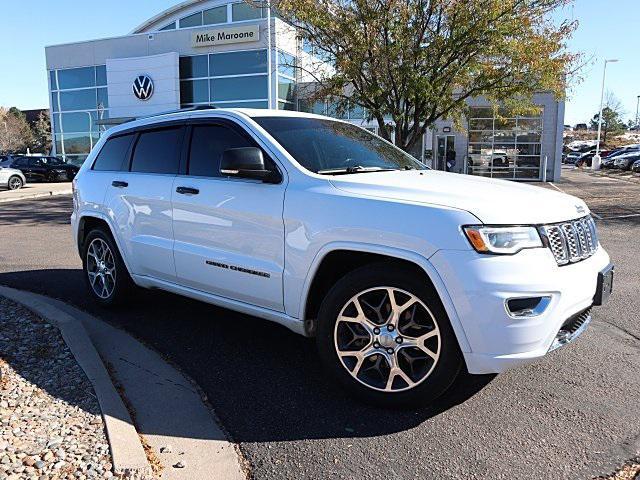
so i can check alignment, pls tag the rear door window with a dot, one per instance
(208, 142)
(114, 153)
(158, 151)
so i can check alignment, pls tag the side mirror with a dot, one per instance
(246, 162)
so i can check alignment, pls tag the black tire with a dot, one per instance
(123, 284)
(15, 183)
(443, 372)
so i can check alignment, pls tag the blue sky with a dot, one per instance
(605, 31)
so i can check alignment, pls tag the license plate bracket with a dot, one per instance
(605, 286)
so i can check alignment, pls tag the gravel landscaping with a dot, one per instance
(50, 422)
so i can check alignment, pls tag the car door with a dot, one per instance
(229, 233)
(37, 169)
(138, 201)
(22, 164)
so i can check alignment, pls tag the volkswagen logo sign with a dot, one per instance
(143, 87)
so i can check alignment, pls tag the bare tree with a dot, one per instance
(15, 134)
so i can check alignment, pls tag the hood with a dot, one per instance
(492, 201)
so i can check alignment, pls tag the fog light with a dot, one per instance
(527, 306)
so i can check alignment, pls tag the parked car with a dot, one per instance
(624, 162)
(47, 169)
(636, 166)
(585, 159)
(573, 156)
(404, 275)
(607, 162)
(11, 178)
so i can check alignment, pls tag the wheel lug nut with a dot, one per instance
(399, 340)
(390, 328)
(376, 345)
(389, 350)
(376, 331)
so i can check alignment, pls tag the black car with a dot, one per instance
(607, 162)
(636, 166)
(45, 169)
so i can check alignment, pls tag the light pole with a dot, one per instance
(637, 105)
(595, 162)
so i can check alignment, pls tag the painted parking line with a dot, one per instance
(631, 215)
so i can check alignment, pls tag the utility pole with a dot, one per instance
(595, 162)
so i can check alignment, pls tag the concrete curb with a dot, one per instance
(31, 196)
(181, 434)
(128, 455)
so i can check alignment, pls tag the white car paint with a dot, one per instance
(286, 230)
(7, 173)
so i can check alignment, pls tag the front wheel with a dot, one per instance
(385, 336)
(15, 183)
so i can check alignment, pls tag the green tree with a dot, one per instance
(612, 113)
(42, 133)
(415, 61)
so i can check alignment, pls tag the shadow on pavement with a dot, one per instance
(264, 382)
(54, 210)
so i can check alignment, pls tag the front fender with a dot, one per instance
(392, 252)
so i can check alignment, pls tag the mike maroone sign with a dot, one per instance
(222, 36)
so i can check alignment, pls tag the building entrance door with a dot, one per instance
(445, 151)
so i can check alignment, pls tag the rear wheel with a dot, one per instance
(384, 335)
(105, 272)
(15, 183)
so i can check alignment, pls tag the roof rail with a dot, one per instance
(189, 109)
(121, 120)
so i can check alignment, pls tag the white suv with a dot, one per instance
(404, 275)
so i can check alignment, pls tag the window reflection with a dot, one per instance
(503, 146)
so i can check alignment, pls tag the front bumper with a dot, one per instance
(480, 285)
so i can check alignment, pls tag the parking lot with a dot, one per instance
(573, 415)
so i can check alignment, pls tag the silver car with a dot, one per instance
(11, 178)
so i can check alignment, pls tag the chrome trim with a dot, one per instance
(571, 241)
(564, 337)
(545, 301)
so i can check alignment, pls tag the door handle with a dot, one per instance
(187, 191)
(119, 184)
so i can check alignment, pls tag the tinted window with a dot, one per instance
(113, 154)
(157, 151)
(21, 162)
(208, 142)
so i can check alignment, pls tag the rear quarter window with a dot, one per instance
(114, 153)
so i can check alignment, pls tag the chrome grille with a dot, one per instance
(571, 241)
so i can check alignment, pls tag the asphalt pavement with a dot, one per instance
(573, 415)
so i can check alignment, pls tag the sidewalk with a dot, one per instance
(166, 428)
(35, 190)
(50, 422)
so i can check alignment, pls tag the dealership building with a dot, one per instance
(232, 54)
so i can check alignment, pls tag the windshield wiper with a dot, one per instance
(354, 169)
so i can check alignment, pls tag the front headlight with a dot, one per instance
(502, 240)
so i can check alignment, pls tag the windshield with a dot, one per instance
(333, 148)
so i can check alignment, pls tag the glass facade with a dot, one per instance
(501, 146)
(235, 79)
(232, 12)
(79, 101)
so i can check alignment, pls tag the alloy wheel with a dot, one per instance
(387, 339)
(15, 183)
(101, 268)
